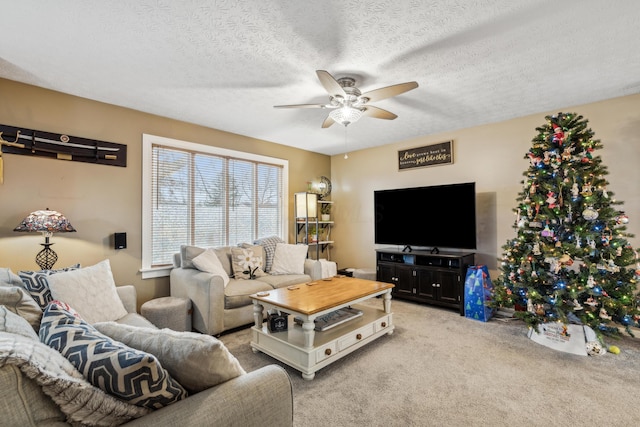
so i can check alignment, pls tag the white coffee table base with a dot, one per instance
(307, 350)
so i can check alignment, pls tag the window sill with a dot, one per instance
(150, 273)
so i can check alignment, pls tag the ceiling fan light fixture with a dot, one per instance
(346, 115)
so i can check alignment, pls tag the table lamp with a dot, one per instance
(47, 222)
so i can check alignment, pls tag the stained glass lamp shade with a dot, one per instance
(47, 222)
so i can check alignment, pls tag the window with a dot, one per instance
(200, 195)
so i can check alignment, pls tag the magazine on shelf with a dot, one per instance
(333, 319)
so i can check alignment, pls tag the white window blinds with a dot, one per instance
(208, 199)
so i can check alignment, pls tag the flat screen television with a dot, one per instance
(435, 217)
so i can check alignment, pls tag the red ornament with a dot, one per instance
(558, 134)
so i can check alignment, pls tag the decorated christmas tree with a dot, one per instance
(570, 261)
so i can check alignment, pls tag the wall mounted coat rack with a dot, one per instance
(31, 142)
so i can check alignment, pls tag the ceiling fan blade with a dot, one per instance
(301, 106)
(330, 84)
(378, 113)
(389, 91)
(327, 122)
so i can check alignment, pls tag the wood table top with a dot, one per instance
(323, 294)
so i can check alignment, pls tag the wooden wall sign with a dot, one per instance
(31, 142)
(430, 155)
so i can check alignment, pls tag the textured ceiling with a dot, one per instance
(224, 64)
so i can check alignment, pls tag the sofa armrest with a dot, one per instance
(263, 397)
(129, 297)
(313, 268)
(206, 292)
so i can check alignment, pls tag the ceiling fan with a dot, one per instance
(348, 104)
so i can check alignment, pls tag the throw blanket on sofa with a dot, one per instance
(76, 397)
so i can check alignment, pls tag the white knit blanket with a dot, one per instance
(329, 268)
(77, 398)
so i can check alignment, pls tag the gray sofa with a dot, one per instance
(218, 308)
(261, 397)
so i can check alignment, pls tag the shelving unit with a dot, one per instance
(310, 230)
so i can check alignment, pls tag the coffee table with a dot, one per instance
(307, 350)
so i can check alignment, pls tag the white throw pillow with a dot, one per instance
(208, 261)
(91, 291)
(289, 259)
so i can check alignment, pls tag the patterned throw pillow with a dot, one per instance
(246, 263)
(269, 245)
(130, 375)
(35, 282)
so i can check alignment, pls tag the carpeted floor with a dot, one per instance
(439, 368)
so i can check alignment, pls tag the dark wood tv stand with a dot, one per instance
(426, 277)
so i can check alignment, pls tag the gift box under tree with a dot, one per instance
(477, 293)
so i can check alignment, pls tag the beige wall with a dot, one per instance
(493, 157)
(100, 200)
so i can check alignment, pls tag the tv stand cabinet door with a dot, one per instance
(449, 287)
(427, 280)
(401, 276)
(405, 284)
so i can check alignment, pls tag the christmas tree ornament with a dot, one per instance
(558, 134)
(594, 348)
(590, 213)
(606, 236)
(575, 191)
(622, 219)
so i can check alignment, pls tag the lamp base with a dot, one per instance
(46, 257)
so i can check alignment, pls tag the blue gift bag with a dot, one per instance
(477, 293)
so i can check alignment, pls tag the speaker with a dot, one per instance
(120, 240)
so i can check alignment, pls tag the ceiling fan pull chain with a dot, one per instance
(346, 156)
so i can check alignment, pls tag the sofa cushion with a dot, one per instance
(91, 291)
(269, 246)
(247, 262)
(35, 282)
(208, 261)
(283, 280)
(237, 292)
(289, 259)
(135, 319)
(18, 301)
(56, 377)
(131, 375)
(22, 401)
(195, 360)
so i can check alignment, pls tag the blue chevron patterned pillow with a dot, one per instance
(128, 374)
(35, 282)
